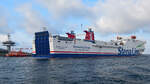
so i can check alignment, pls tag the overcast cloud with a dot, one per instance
(110, 16)
(66, 8)
(32, 20)
(4, 27)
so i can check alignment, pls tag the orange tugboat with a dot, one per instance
(17, 54)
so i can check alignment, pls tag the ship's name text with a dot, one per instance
(128, 51)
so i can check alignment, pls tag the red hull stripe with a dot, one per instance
(33, 52)
(82, 52)
(79, 52)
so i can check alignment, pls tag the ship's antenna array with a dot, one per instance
(44, 29)
(81, 26)
(8, 36)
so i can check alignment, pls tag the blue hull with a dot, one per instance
(78, 55)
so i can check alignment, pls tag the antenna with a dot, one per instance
(8, 36)
(81, 26)
(44, 29)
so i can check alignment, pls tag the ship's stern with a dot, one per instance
(41, 46)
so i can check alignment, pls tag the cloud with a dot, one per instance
(3, 37)
(66, 8)
(4, 27)
(32, 20)
(123, 16)
(108, 16)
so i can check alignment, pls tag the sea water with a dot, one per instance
(91, 70)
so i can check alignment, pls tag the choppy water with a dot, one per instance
(98, 70)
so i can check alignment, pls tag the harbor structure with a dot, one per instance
(9, 43)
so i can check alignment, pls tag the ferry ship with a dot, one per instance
(49, 46)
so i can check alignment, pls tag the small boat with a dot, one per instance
(17, 54)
